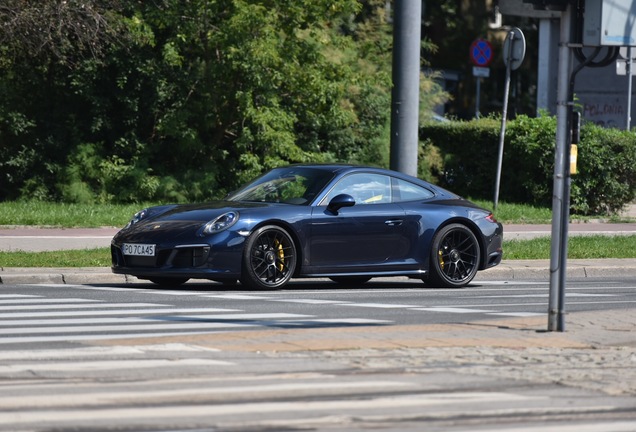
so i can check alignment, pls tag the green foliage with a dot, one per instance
(606, 178)
(604, 184)
(186, 100)
(466, 150)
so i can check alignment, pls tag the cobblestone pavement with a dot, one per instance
(597, 353)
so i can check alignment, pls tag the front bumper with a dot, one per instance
(220, 258)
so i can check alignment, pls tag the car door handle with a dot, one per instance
(393, 222)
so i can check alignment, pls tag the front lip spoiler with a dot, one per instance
(145, 273)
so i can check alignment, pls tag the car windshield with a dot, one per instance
(291, 185)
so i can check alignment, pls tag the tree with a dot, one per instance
(58, 30)
(176, 101)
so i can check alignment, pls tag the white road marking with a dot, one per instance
(460, 310)
(165, 309)
(100, 351)
(92, 365)
(518, 314)
(310, 301)
(97, 399)
(69, 338)
(77, 306)
(40, 300)
(172, 317)
(122, 328)
(380, 305)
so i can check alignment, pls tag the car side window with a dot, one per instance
(364, 188)
(407, 191)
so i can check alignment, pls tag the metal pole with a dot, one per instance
(558, 252)
(477, 97)
(504, 117)
(629, 87)
(406, 86)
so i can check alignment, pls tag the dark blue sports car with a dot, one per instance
(344, 222)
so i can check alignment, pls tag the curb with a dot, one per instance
(576, 269)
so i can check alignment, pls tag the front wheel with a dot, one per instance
(455, 257)
(269, 258)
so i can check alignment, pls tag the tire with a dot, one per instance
(269, 258)
(350, 280)
(455, 257)
(169, 281)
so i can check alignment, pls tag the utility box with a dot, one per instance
(609, 23)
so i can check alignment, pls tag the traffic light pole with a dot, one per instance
(561, 186)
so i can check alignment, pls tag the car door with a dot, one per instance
(369, 236)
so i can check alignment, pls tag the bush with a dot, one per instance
(604, 184)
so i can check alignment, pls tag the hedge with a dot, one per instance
(462, 156)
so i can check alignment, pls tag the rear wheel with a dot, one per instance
(455, 257)
(168, 281)
(269, 258)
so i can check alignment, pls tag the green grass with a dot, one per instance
(518, 213)
(582, 247)
(579, 247)
(40, 213)
(99, 257)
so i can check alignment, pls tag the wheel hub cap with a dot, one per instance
(454, 256)
(270, 257)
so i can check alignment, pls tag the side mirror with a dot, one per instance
(340, 201)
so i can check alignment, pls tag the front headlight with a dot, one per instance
(221, 223)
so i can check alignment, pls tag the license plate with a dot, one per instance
(138, 249)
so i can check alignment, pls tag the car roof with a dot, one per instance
(346, 168)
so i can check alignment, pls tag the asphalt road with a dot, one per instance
(202, 308)
(315, 357)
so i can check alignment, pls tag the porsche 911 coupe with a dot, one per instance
(343, 222)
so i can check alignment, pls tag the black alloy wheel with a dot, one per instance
(455, 256)
(269, 258)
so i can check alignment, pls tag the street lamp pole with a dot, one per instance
(406, 86)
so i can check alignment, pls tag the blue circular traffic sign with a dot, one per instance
(481, 52)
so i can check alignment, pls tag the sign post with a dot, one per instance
(481, 56)
(514, 53)
(628, 54)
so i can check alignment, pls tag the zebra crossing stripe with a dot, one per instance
(96, 365)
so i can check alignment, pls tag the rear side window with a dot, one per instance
(365, 188)
(407, 191)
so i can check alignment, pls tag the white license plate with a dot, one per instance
(138, 249)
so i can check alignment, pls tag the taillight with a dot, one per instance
(491, 218)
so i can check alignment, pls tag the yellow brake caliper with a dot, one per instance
(281, 254)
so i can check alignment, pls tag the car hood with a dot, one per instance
(184, 220)
(197, 213)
